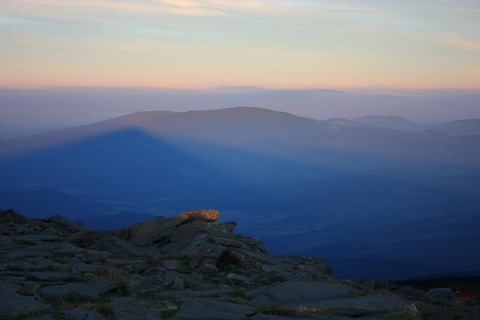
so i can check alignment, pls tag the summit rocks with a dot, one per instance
(206, 215)
(184, 267)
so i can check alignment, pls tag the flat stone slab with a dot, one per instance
(353, 306)
(91, 290)
(82, 314)
(30, 252)
(6, 242)
(43, 317)
(211, 309)
(40, 237)
(179, 294)
(14, 305)
(305, 291)
(127, 311)
(41, 263)
(262, 316)
(52, 275)
(84, 267)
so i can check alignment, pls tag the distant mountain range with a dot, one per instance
(458, 128)
(376, 188)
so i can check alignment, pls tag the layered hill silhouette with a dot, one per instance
(378, 189)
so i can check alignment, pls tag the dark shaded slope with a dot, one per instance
(400, 227)
(44, 203)
(127, 165)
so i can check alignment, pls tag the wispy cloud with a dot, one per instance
(70, 9)
(457, 41)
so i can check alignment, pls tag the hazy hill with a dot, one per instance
(457, 128)
(470, 127)
(325, 186)
(391, 122)
(276, 133)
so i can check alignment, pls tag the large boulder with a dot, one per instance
(15, 305)
(205, 215)
(442, 295)
(159, 231)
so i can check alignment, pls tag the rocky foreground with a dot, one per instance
(186, 267)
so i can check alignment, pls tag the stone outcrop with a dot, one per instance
(205, 215)
(185, 267)
(159, 231)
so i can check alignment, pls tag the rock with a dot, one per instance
(176, 232)
(198, 308)
(237, 278)
(43, 317)
(368, 283)
(473, 302)
(295, 268)
(261, 316)
(40, 237)
(173, 280)
(14, 305)
(70, 227)
(119, 246)
(210, 270)
(83, 314)
(441, 317)
(128, 311)
(353, 306)
(156, 305)
(52, 275)
(155, 231)
(298, 291)
(29, 289)
(207, 268)
(442, 295)
(182, 294)
(170, 264)
(90, 290)
(205, 215)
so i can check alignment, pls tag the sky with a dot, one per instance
(288, 44)
(66, 63)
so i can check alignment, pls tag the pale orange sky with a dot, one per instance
(270, 44)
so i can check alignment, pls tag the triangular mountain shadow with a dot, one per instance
(126, 164)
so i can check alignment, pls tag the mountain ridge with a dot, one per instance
(326, 184)
(258, 129)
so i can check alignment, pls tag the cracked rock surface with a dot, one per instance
(185, 267)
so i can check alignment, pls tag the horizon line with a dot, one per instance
(240, 88)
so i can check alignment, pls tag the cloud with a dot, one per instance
(63, 9)
(457, 41)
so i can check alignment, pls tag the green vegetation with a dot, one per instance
(90, 258)
(24, 242)
(228, 261)
(401, 315)
(276, 310)
(99, 305)
(166, 314)
(62, 257)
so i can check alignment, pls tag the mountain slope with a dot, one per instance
(278, 134)
(391, 122)
(470, 127)
(321, 185)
